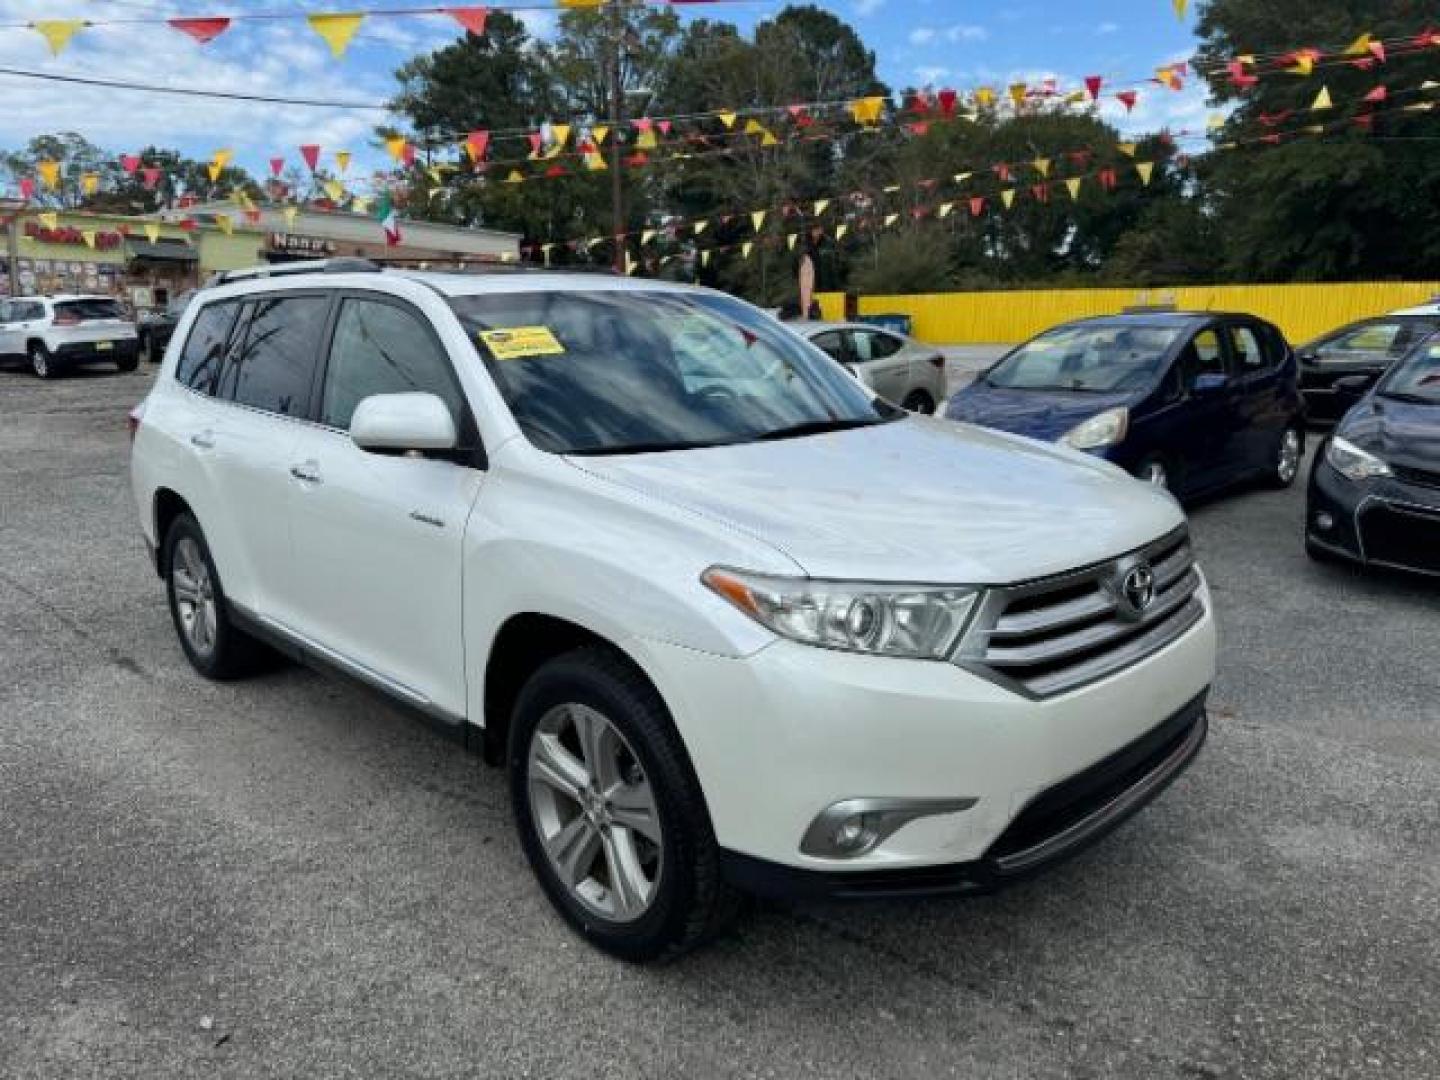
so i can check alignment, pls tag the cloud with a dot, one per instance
(923, 35)
(929, 76)
(1107, 28)
(868, 7)
(960, 32)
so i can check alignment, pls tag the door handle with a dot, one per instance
(307, 471)
(205, 440)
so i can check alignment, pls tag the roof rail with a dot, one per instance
(1149, 309)
(342, 265)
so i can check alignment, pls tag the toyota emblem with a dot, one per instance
(1136, 590)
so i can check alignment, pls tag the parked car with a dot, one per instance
(681, 610)
(1375, 485)
(1188, 401)
(898, 368)
(1329, 364)
(156, 329)
(55, 333)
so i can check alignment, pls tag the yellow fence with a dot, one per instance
(1301, 311)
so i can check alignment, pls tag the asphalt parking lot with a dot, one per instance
(286, 877)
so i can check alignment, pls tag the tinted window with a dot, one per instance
(870, 345)
(833, 343)
(4, 311)
(380, 348)
(205, 347)
(274, 366)
(87, 310)
(1202, 356)
(1248, 353)
(1369, 341)
(29, 312)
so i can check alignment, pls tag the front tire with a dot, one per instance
(610, 813)
(41, 362)
(214, 645)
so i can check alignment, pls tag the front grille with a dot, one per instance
(1051, 636)
(1402, 536)
(1423, 477)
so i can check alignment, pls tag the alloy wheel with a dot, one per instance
(1154, 473)
(595, 813)
(40, 362)
(1288, 466)
(194, 596)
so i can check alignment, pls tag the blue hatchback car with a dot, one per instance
(1191, 401)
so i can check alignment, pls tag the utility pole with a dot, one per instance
(12, 252)
(617, 118)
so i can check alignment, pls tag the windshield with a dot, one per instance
(1417, 377)
(606, 372)
(1095, 359)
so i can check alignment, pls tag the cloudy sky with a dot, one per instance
(919, 42)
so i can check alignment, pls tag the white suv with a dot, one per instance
(731, 623)
(58, 332)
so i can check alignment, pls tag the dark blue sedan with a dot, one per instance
(1191, 401)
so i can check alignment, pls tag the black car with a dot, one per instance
(1366, 348)
(156, 329)
(1375, 484)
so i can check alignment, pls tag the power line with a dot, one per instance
(181, 91)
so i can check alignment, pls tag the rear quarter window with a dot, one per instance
(204, 350)
(89, 310)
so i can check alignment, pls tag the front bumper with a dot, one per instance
(781, 735)
(1388, 522)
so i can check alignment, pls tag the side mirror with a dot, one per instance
(400, 422)
(1354, 385)
(1209, 383)
(1307, 356)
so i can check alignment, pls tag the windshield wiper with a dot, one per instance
(821, 427)
(647, 448)
(1412, 399)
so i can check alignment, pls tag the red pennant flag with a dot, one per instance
(477, 145)
(27, 188)
(188, 224)
(919, 212)
(1041, 192)
(1426, 38)
(277, 166)
(1364, 63)
(919, 127)
(664, 126)
(471, 18)
(1107, 179)
(1376, 96)
(1273, 140)
(151, 178)
(643, 124)
(252, 216)
(408, 154)
(536, 141)
(1365, 120)
(1003, 172)
(1093, 83)
(977, 206)
(130, 163)
(1128, 98)
(1080, 158)
(947, 99)
(202, 30)
(554, 171)
(311, 154)
(919, 102)
(1377, 49)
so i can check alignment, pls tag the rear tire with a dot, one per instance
(214, 645)
(127, 364)
(610, 813)
(147, 346)
(1289, 453)
(41, 362)
(919, 402)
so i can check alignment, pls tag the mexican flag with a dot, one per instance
(389, 220)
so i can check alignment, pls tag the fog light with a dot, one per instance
(852, 835)
(854, 827)
(1324, 522)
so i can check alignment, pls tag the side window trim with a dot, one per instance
(472, 446)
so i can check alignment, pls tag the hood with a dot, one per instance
(1040, 414)
(917, 500)
(1403, 433)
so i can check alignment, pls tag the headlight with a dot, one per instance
(1353, 463)
(1105, 429)
(882, 620)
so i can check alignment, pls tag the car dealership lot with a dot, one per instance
(286, 876)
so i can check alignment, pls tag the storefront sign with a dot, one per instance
(104, 241)
(294, 244)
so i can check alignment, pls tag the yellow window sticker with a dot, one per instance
(521, 342)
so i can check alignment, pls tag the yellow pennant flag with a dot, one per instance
(867, 110)
(88, 235)
(1314, 129)
(1008, 197)
(961, 177)
(705, 258)
(560, 135)
(337, 30)
(58, 32)
(360, 206)
(214, 171)
(436, 176)
(49, 220)
(647, 236)
(335, 190)
(291, 213)
(1181, 6)
(892, 189)
(890, 220)
(1304, 65)
(1073, 186)
(246, 203)
(984, 97)
(758, 219)
(946, 209)
(769, 139)
(49, 173)
(342, 159)
(1017, 93)
(90, 183)
(1215, 122)
(222, 157)
(598, 134)
(821, 205)
(152, 232)
(582, 3)
(840, 231)
(1146, 169)
(728, 118)
(647, 140)
(1322, 100)
(792, 240)
(1360, 46)
(1042, 166)
(595, 162)
(700, 226)
(1126, 148)
(395, 147)
(746, 248)
(227, 225)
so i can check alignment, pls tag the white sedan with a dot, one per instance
(898, 368)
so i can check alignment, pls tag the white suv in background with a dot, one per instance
(730, 622)
(58, 332)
